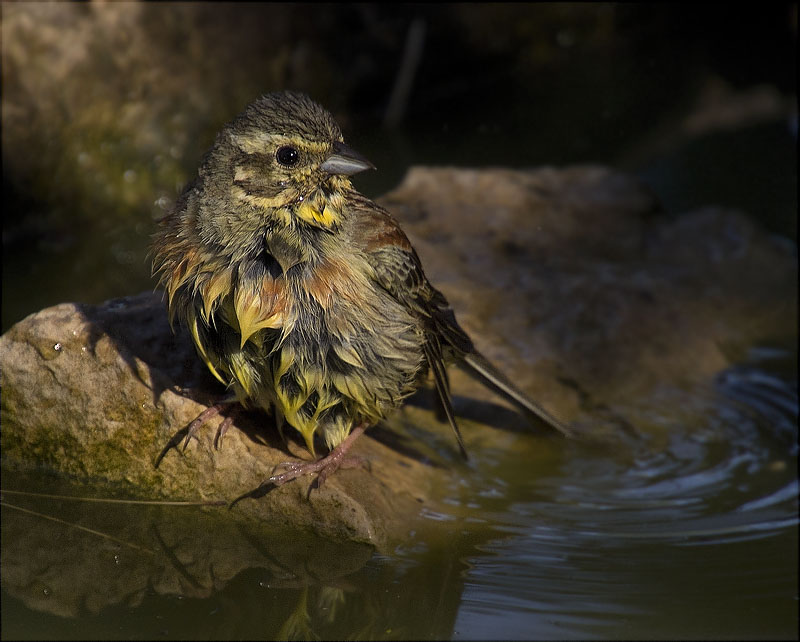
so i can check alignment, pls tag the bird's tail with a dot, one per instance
(478, 367)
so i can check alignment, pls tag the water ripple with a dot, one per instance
(698, 519)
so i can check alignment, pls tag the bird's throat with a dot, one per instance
(321, 209)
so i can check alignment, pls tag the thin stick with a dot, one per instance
(146, 502)
(412, 54)
(82, 528)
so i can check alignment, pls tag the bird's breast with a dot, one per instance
(305, 292)
(334, 280)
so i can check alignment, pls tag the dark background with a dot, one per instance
(108, 107)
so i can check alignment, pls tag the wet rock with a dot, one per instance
(96, 392)
(569, 280)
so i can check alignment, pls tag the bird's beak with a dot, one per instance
(345, 161)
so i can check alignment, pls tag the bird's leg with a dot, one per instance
(325, 466)
(223, 428)
(203, 417)
(185, 434)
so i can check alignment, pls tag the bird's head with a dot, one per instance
(284, 159)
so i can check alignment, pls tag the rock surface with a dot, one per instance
(568, 279)
(96, 392)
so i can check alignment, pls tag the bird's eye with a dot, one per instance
(287, 156)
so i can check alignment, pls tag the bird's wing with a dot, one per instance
(398, 270)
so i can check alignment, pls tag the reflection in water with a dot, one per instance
(687, 528)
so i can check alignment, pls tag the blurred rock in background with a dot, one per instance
(107, 108)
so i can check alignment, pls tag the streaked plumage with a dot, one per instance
(300, 293)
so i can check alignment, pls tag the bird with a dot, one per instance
(304, 297)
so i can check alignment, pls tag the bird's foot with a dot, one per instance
(203, 417)
(324, 467)
(186, 434)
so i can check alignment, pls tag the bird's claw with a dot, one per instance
(288, 465)
(185, 435)
(223, 428)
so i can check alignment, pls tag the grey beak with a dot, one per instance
(345, 161)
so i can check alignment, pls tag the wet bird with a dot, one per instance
(303, 296)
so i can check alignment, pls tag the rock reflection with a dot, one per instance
(157, 570)
(60, 567)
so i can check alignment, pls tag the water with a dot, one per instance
(695, 537)
(686, 529)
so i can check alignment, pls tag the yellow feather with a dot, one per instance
(325, 216)
(307, 429)
(326, 400)
(349, 386)
(173, 283)
(217, 286)
(244, 372)
(263, 202)
(251, 315)
(192, 323)
(348, 354)
(287, 359)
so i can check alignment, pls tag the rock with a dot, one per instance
(575, 276)
(96, 392)
(568, 279)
